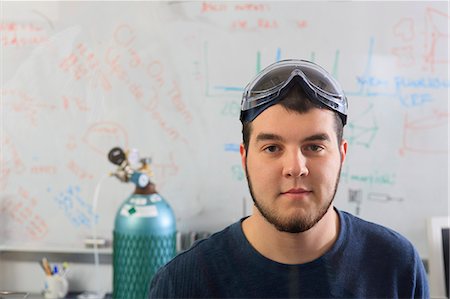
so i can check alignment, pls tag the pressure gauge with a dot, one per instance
(143, 180)
(140, 179)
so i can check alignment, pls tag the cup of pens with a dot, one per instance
(56, 284)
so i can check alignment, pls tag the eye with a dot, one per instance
(271, 149)
(314, 148)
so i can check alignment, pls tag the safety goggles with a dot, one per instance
(275, 81)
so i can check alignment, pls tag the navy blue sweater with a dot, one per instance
(366, 261)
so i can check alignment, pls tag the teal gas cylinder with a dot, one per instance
(144, 239)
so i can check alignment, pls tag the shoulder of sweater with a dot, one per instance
(377, 234)
(202, 248)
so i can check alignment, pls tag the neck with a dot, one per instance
(289, 248)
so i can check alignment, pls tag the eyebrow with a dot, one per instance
(318, 137)
(268, 136)
(275, 137)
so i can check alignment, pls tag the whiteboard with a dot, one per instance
(166, 78)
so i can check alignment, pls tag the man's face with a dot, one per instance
(293, 164)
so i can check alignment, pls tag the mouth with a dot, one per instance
(297, 192)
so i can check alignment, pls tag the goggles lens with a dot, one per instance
(268, 87)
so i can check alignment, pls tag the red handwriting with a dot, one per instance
(124, 35)
(417, 131)
(14, 27)
(77, 102)
(175, 95)
(103, 136)
(17, 163)
(83, 63)
(267, 24)
(260, 23)
(78, 171)
(125, 64)
(437, 38)
(71, 143)
(251, 7)
(244, 21)
(169, 130)
(113, 59)
(404, 29)
(21, 102)
(25, 34)
(213, 7)
(43, 169)
(155, 70)
(10, 161)
(22, 211)
(302, 24)
(405, 56)
(165, 170)
(435, 35)
(135, 59)
(240, 24)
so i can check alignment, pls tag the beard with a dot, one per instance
(294, 224)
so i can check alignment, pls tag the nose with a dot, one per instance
(295, 164)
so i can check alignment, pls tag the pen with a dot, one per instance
(46, 266)
(42, 266)
(65, 267)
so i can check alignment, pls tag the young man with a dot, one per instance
(295, 243)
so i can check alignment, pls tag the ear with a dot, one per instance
(243, 155)
(343, 150)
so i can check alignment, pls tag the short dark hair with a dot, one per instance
(296, 100)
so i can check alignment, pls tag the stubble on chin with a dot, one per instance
(294, 224)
